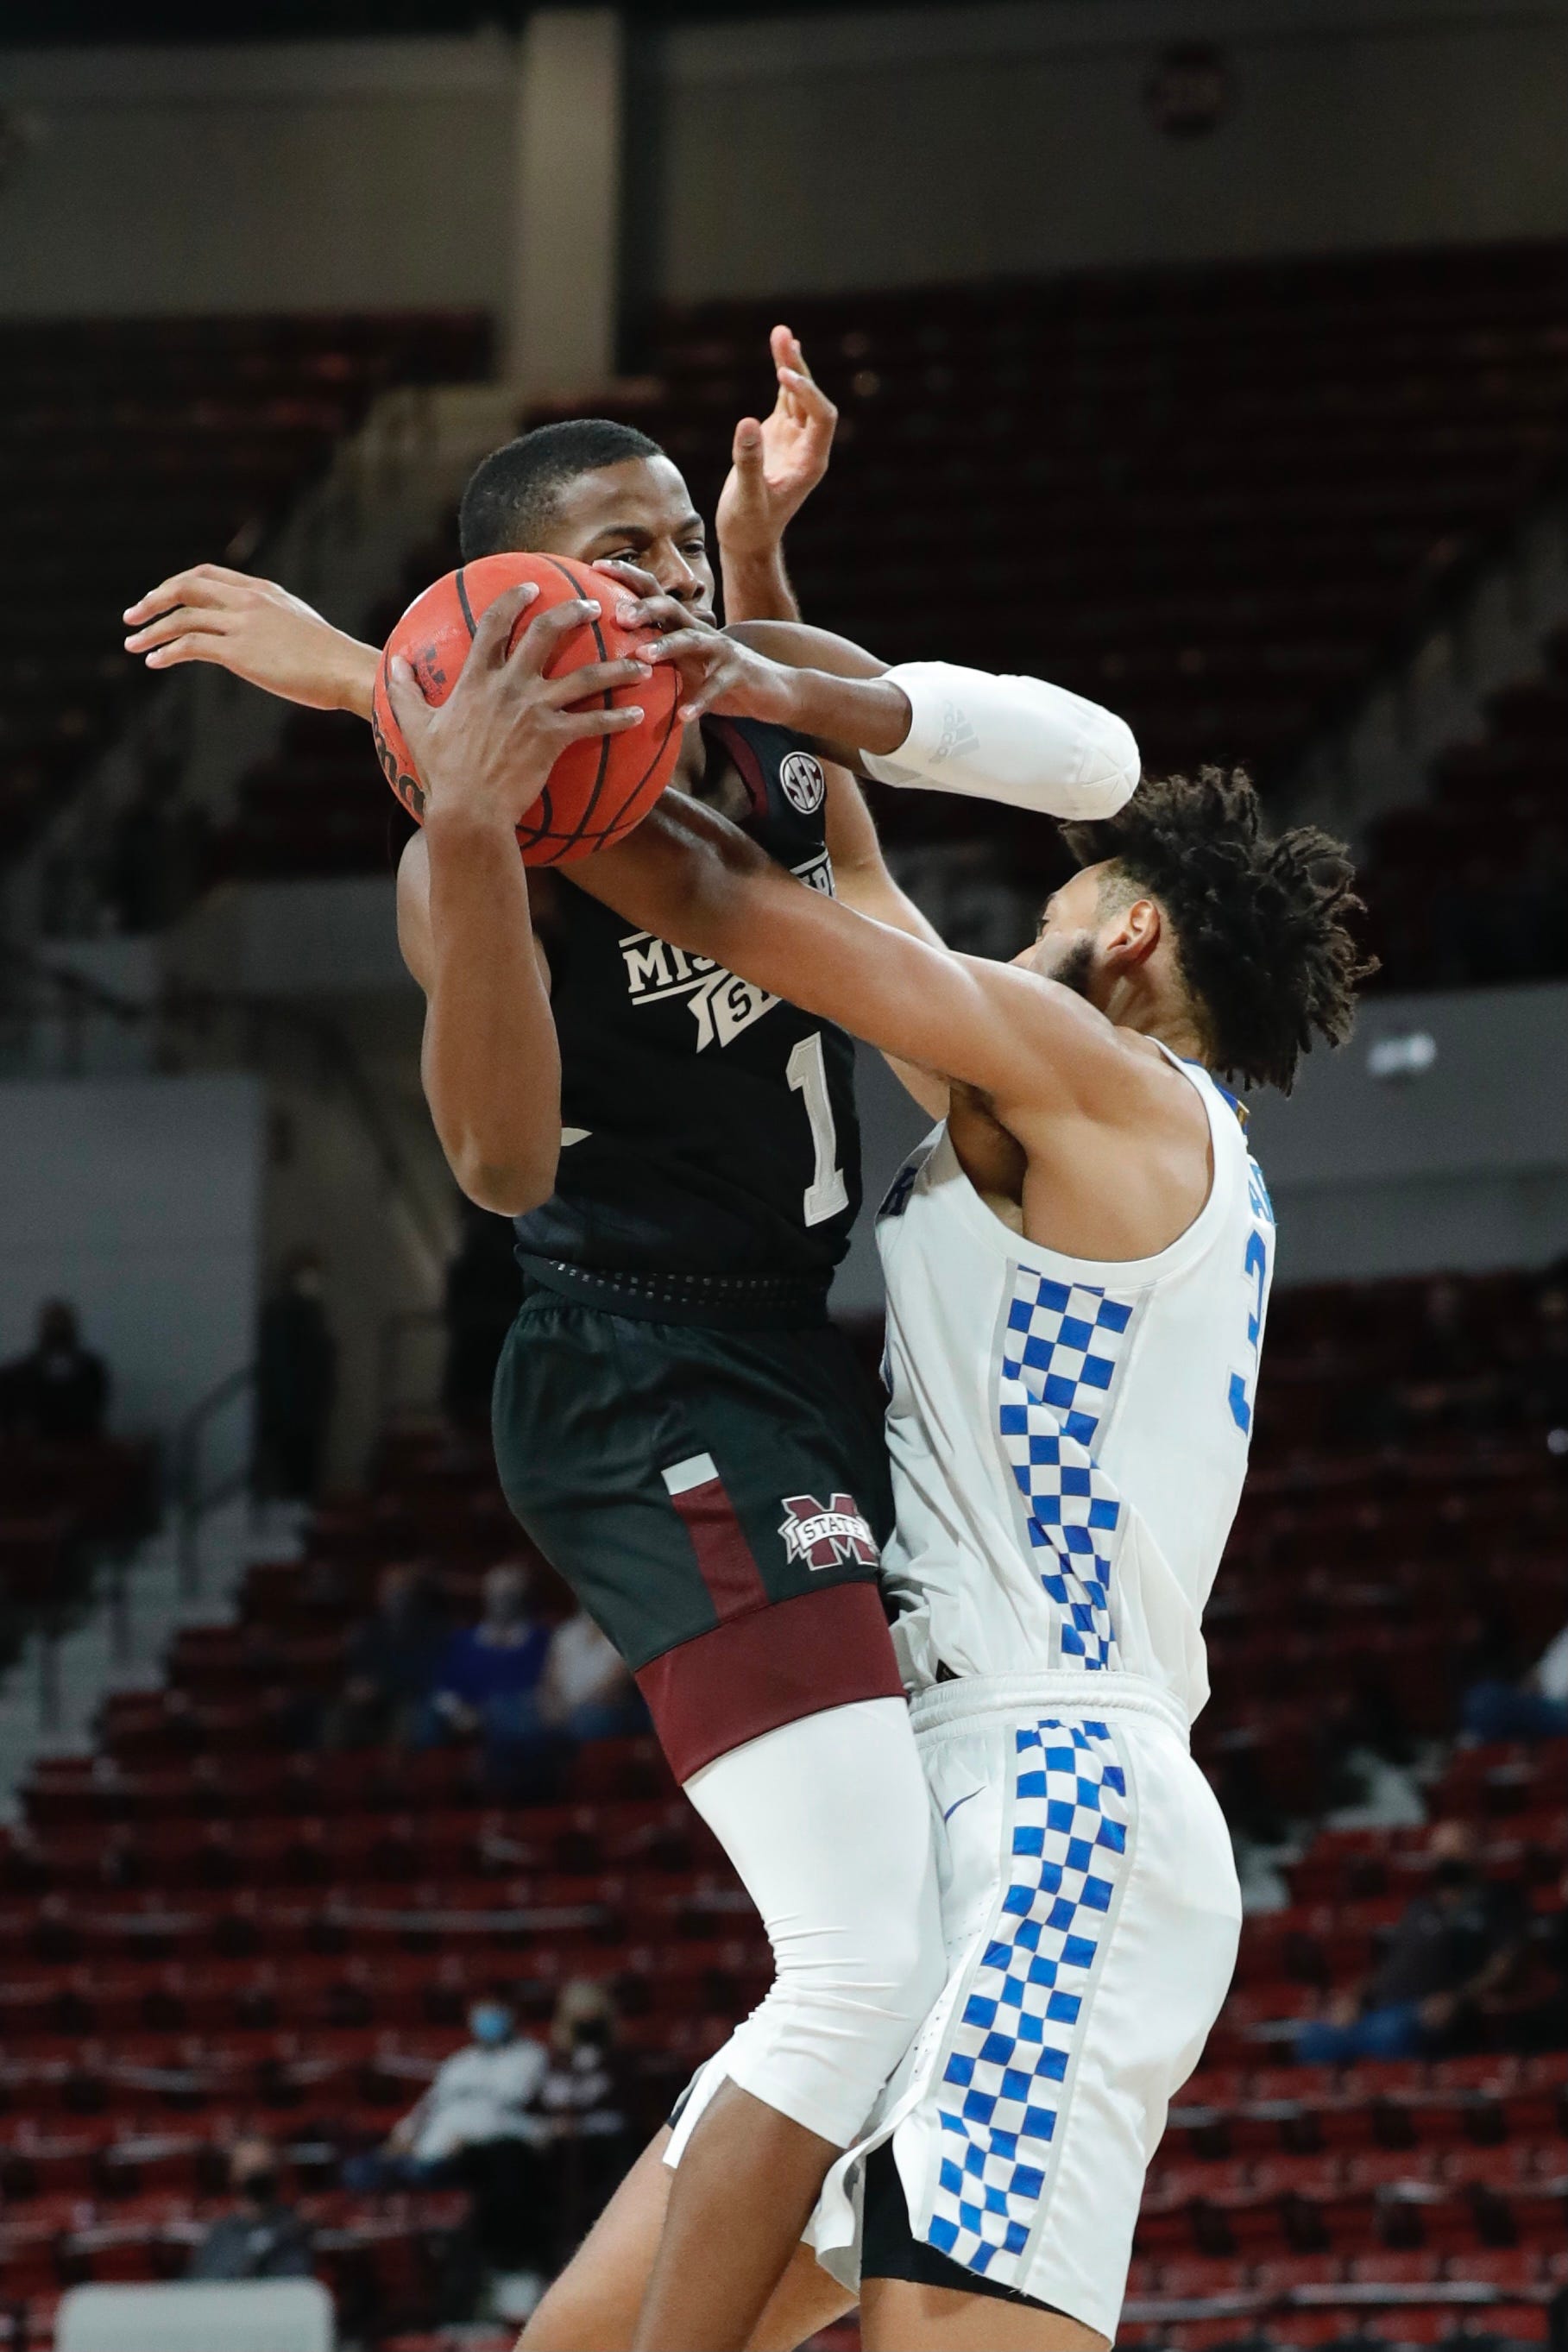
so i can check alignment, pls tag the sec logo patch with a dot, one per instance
(803, 780)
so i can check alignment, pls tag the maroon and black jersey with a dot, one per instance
(709, 1129)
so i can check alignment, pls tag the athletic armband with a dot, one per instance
(1015, 740)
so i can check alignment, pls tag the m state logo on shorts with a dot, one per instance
(829, 1537)
(803, 780)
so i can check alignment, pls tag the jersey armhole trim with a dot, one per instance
(747, 765)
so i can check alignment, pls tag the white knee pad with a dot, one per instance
(827, 1823)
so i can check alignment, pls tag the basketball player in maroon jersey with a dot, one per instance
(852, 1915)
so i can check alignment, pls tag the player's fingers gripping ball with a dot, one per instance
(601, 786)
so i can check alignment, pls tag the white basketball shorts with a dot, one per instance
(1090, 1914)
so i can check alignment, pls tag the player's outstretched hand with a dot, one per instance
(485, 755)
(777, 462)
(253, 629)
(642, 604)
(721, 674)
(717, 672)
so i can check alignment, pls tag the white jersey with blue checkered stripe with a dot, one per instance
(1069, 1438)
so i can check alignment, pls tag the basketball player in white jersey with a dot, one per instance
(1078, 1267)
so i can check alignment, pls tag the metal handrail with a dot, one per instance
(374, 457)
(193, 1500)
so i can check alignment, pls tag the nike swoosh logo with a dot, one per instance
(956, 1802)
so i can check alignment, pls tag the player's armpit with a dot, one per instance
(697, 881)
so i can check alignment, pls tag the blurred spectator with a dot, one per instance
(586, 1690)
(487, 1682)
(263, 2238)
(483, 1292)
(1534, 1708)
(60, 1390)
(295, 1378)
(1456, 1943)
(392, 1660)
(584, 2101)
(478, 2124)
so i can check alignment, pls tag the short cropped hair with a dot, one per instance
(1262, 938)
(511, 495)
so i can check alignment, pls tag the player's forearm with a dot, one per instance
(936, 726)
(353, 676)
(757, 585)
(695, 880)
(491, 1061)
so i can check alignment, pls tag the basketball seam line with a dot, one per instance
(658, 755)
(463, 600)
(607, 704)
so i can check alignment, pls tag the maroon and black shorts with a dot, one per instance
(716, 1499)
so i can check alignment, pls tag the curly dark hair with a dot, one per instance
(1260, 922)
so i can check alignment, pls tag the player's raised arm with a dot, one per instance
(490, 1061)
(776, 463)
(256, 630)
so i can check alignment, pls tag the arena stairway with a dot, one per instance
(62, 1678)
(210, 1920)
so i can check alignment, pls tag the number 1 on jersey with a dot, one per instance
(827, 1192)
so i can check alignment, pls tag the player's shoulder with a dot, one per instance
(1066, 1046)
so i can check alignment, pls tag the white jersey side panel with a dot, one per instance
(1069, 1437)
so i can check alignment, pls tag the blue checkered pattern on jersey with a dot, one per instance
(1001, 2089)
(1061, 1351)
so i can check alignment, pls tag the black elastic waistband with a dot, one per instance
(726, 1302)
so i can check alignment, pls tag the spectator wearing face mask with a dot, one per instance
(478, 2124)
(263, 2238)
(584, 2101)
(1456, 1943)
(60, 1390)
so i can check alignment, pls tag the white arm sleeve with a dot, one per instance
(1008, 739)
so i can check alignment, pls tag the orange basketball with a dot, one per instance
(598, 789)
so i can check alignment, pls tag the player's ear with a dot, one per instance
(1132, 934)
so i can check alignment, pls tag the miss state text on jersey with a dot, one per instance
(721, 1005)
(709, 1128)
